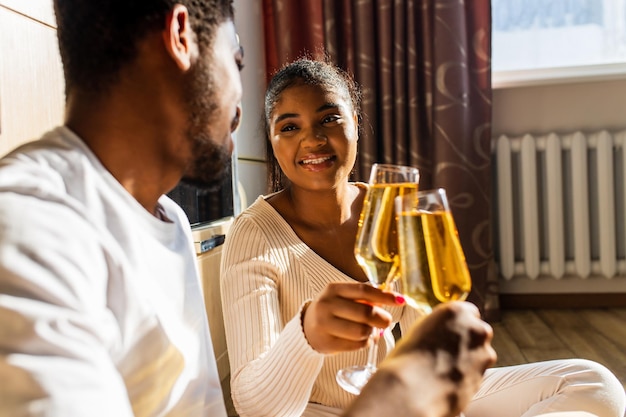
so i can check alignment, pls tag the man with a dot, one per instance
(101, 312)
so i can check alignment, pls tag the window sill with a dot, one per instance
(562, 75)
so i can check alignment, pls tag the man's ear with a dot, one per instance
(179, 38)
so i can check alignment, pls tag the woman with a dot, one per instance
(291, 285)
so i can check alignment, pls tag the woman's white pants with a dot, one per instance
(569, 387)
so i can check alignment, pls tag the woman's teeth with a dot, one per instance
(315, 161)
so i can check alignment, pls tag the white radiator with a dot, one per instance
(560, 206)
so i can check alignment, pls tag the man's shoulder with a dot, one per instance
(51, 161)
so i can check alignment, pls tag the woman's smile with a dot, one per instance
(318, 163)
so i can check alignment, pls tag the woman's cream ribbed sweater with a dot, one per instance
(267, 275)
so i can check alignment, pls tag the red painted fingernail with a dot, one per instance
(400, 299)
(382, 332)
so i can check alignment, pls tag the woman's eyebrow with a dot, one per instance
(323, 107)
(285, 116)
(328, 106)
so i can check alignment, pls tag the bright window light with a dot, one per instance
(549, 34)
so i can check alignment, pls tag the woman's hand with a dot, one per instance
(342, 316)
(435, 369)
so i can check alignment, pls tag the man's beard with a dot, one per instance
(212, 162)
(209, 171)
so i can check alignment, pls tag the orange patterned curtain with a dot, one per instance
(424, 67)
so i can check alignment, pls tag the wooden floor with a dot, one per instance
(531, 335)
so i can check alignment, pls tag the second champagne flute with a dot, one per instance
(376, 249)
(432, 261)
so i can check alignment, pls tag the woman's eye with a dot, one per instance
(331, 118)
(287, 128)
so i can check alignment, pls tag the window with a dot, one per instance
(555, 39)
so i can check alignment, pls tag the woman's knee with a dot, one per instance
(605, 392)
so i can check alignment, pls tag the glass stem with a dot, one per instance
(372, 353)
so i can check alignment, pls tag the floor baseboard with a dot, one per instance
(578, 300)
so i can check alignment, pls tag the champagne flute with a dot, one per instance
(376, 249)
(432, 261)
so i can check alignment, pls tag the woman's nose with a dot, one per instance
(313, 137)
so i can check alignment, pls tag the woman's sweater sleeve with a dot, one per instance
(273, 367)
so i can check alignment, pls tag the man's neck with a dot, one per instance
(127, 142)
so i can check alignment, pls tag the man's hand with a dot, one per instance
(435, 369)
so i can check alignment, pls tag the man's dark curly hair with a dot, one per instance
(98, 37)
(309, 72)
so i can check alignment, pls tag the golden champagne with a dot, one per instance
(376, 247)
(434, 269)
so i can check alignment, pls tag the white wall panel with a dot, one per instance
(252, 176)
(249, 23)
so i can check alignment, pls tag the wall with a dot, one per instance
(560, 107)
(250, 142)
(31, 76)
